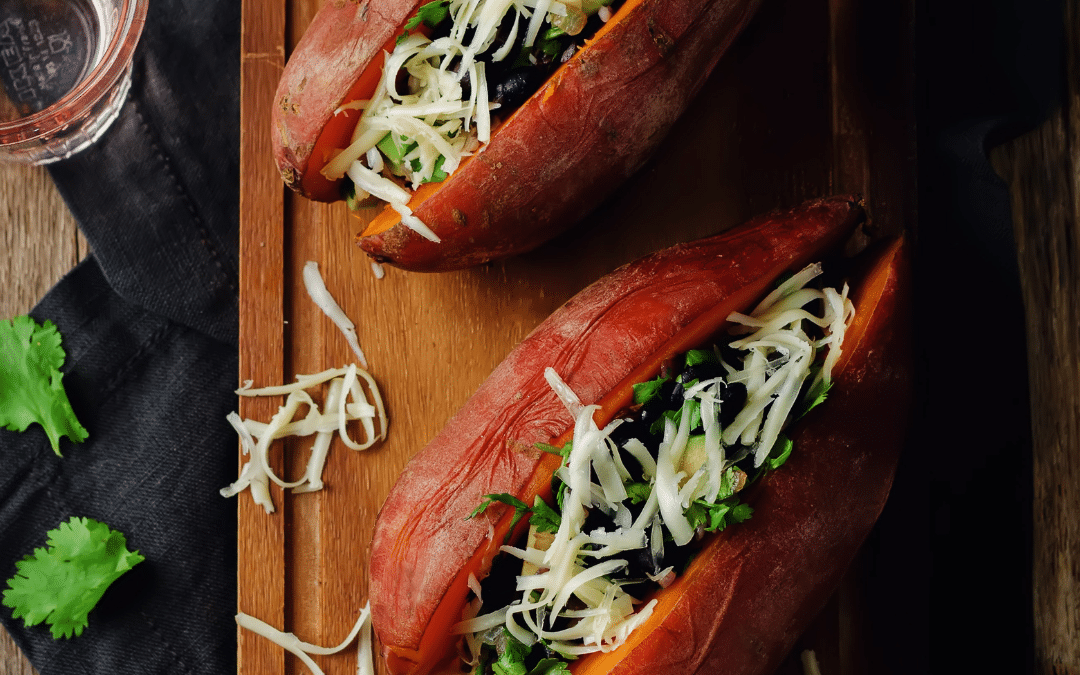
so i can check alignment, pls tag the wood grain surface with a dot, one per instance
(785, 117)
(39, 243)
(1042, 169)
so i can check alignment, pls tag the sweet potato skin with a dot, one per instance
(587, 130)
(753, 590)
(343, 37)
(422, 536)
(591, 126)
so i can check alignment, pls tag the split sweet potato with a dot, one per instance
(810, 516)
(587, 129)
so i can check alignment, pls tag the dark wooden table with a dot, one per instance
(39, 242)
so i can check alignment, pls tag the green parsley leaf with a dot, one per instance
(780, 451)
(638, 492)
(520, 508)
(431, 14)
(551, 666)
(512, 659)
(717, 516)
(817, 395)
(647, 391)
(544, 518)
(62, 583)
(698, 356)
(31, 389)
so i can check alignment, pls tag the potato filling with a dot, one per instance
(459, 67)
(635, 498)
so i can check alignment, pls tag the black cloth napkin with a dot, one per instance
(150, 322)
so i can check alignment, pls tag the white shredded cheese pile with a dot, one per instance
(333, 418)
(579, 564)
(433, 111)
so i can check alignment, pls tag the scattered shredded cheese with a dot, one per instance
(303, 650)
(316, 288)
(343, 384)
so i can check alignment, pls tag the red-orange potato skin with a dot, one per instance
(591, 126)
(752, 591)
(422, 536)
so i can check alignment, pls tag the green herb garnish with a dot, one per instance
(520, 508)
(431, 14)
(31, 388)
(60, 584)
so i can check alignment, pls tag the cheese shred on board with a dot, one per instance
(343, 384)
(635, 497)
(304, 650)
(457, 63)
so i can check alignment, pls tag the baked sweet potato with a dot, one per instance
(589, 127)
(750, 591)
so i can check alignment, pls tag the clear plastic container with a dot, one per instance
(65, 70)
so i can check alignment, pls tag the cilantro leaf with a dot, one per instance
(657, 427)
(698, 356)
(62, 583)
(512, 658)
(431, 14)
(31, 387)
(716, 516)
(638, 492)
(550, 666)
(816, 396)
(544, 518)
(520, 508)
(647, 391)
(780, 451)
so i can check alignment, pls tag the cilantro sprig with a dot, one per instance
(60, 584)
(31, 387)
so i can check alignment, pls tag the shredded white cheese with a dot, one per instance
(432, 111)
(573, 577)
(303, 650)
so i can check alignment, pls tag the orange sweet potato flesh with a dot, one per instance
(591, 126)
(610, 335)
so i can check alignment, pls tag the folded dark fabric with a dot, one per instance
(149, 324)
(153, 394)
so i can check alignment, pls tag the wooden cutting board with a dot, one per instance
(814, 98)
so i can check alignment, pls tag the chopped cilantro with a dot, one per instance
(437, 174)
(520, 508)
(715, 517)
(62, 583)
(544, 518)
(780, 451)
(675, 416)
(31, 389)
(647, 391)
(638, 492)
(511, 660)
(553, 450)
(816, 396)
(395, 147)
(431, 14)
(550, 666)
(698, 356)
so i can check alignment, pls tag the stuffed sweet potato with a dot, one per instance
(740, 595)
(498, 181)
